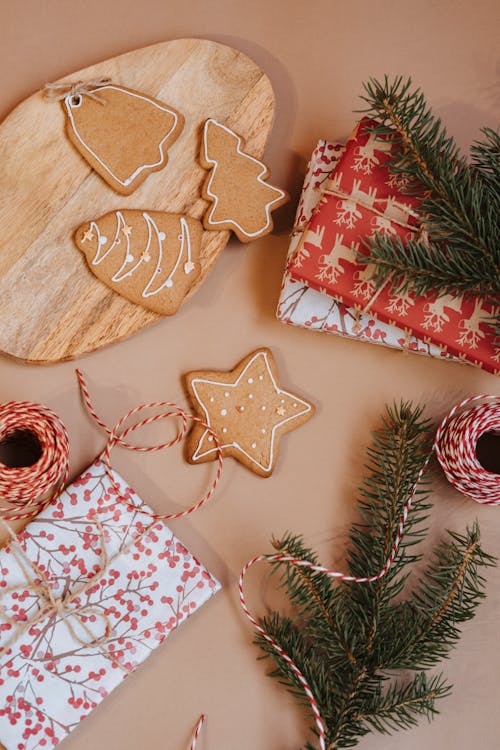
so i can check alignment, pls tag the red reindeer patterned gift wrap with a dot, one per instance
(362, 198)
(301, 305)
(55, 668)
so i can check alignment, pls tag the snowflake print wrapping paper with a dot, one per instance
(358, 198)
(51, 673)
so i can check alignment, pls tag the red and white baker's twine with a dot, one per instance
(26, 490)
(117, 435)
(197, 732)
(455, 446)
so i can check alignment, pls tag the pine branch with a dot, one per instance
(411, 266)
(460, 203)
(348, 640)
(404, 703)
(485, 156)
(312, 593)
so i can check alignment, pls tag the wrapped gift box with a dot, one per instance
(301, 305)
(325, 259)
(57, 665)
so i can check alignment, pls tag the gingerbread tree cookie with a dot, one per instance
(150, 257)
(123, 134)
(248, 411)
(241, 199)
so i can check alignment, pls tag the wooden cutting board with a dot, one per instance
(52, 307)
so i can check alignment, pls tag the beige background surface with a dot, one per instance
(316, 54)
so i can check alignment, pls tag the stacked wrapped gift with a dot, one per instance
(349, 194)
(89, 589)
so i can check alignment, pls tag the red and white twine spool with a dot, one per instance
(26, 490)
(455, 446)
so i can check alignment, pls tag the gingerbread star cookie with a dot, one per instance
(241, 199)
(248, 411)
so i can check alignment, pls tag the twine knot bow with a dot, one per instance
(66, 607)
(56, 92)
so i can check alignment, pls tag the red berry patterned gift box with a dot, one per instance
(90, 588)
(361, 198)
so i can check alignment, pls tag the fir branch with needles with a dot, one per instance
(460, 200)
(351, 640)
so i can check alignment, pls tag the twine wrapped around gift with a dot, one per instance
(65, 606)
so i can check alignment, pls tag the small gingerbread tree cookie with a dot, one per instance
(241, 199)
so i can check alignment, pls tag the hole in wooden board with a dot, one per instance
(20, 448)
(488, 452)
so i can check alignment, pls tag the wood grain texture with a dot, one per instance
(53, 309)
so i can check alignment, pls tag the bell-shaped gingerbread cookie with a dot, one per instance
(123, 134)
(150, 257)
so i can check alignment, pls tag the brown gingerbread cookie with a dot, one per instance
(150, 257)
(241, 199)
(123, 134)
(248, 411)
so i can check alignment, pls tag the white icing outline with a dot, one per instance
(125, 271)
(141, 168)
(197, 454)
(260, 178)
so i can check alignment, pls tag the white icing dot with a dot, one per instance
(210, 438)
(250, 395)
(282, 400)
(227, 394)
(250, 380)
(224, 429)
(261, 377)
(169, 283)
(223, 412)
(254, 445)
(161, 235)
(103, 240)
(295, 404)
(263, 430)
(263, 408)
(212, 399)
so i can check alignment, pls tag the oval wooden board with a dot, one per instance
(52, 307)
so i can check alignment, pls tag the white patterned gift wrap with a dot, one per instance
(50, 675)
